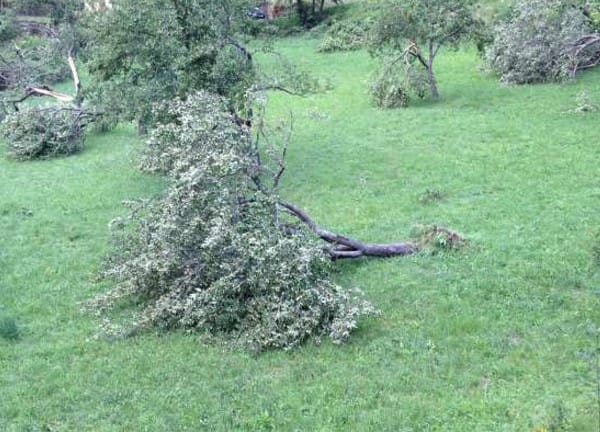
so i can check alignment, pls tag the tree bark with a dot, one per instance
(432, 82)
(430, 74)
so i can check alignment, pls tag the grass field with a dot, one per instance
(502, 336)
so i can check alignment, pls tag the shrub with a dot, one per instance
(43, 132)
(213, 254)
(535, 44)
(345, 36)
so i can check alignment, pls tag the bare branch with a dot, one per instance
(281, 159)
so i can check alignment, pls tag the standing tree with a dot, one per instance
(410, 33)
(144, 51)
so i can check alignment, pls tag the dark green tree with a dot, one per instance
(145, 51)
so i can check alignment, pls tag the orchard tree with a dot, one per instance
(144, 51)
(410, 34)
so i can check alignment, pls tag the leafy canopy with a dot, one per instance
(430, 23)
(145, 51)
(409, 35)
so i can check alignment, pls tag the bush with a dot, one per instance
(212, 254)
(345, 36)
(43, 132)
(535, 44)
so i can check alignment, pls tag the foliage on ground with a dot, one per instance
(346, 36)
(535, 44)
(211, 254)
(43, 132)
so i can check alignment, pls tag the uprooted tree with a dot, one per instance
(545, 41)
(408, 37)
(221, 252)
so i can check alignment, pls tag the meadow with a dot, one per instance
(499, 336)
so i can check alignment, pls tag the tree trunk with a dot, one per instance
(432, 81)
(430, 75)
(345, 247)
(302, 12)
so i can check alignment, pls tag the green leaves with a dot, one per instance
(143, 52)
(441, 22)
(212, 254)
(409, 35)
(43, 132)
(535, 44)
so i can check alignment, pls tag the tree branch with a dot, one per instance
(582, 44)
(231, 41)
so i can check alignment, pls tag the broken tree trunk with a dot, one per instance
(47, 91)
(345, 247)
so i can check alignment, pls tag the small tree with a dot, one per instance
(412, 32)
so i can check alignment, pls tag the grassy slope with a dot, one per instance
(499, 337)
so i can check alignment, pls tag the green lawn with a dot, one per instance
(502, 336)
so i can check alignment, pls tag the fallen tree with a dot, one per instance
(544, 41)
(585, 53)
(221, 252)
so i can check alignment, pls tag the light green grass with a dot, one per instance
(498, 337)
